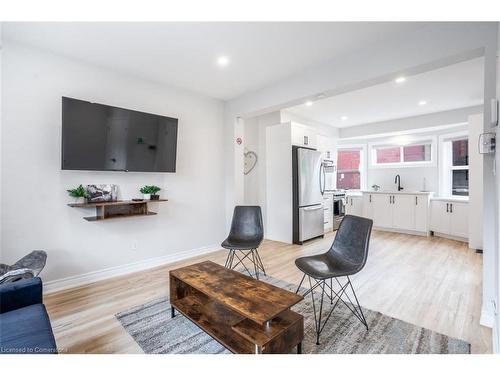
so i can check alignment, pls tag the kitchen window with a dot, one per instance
(415, 154)
(350, 173)
(460, 167)
(455, 166)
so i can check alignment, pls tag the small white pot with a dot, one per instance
(146, 196)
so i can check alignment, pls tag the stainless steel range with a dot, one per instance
(338, 207)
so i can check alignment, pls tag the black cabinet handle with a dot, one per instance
(447, 207)
(370, 198)
(416, 201)
(451, 207)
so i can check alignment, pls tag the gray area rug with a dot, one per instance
(156, 332)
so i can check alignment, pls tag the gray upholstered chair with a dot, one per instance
(346, 257)
(27, 267)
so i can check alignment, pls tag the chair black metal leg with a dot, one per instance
(256, 269)
(359, 306)
(318, 314)
(331, 291)
(252, 255)
(172, 311)
(241, 260)
(260, 262)
(301, 281)
(318, 331)
(299, 348)
(228, 258)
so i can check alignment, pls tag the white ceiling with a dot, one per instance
(184, 54)
(455, 86)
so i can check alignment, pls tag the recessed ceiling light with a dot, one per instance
(343, 118)
(400, 80)
(308, 103)
(422, 102)
(223, 61)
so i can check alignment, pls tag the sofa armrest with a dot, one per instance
(20, 294)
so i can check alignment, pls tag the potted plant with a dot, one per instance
(149, 192)
(80, 194)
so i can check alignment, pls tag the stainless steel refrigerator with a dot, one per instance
(308, 217)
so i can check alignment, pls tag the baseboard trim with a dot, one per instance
(402, 231)
(487, 318)
(107, 273)
(449, 237)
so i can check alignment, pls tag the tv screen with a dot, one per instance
(104, 138)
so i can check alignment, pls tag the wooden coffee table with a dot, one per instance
(243, 314)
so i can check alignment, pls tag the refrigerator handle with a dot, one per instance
(321, 171)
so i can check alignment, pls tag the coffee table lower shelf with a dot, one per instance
(239, 334)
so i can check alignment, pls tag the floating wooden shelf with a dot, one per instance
(117, 209)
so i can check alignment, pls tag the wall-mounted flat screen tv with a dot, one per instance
(100, 137)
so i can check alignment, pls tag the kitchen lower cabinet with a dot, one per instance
(354, 205)
(450, 218)
(421, 213)
(400, 212)
(382, 210)
(403, 211)
(328, 212)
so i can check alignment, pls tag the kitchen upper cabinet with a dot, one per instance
(403, 211)
(354, 205)
(327, 146)
(450, 218)
(303, 136)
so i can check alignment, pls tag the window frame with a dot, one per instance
(446, 167)
(362, 162)
(374, 146)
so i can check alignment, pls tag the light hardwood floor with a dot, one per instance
(430, 282)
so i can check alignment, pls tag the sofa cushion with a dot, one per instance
(26, 330)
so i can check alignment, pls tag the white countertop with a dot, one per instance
(451, 199)
(408, 192)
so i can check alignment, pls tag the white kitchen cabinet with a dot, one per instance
(459, 219)
(421, 213)
(368, 206)
(303, 136)
(450, 218)
(440, 219)
(327, 146)
(403, 211)
(382, 210)
(354, 205)
(328, 212)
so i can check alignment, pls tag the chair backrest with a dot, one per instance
(352, 240)
(247, 224)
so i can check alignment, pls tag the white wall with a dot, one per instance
(475, 126)
(34, 210)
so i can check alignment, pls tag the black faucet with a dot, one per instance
(398, 181)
